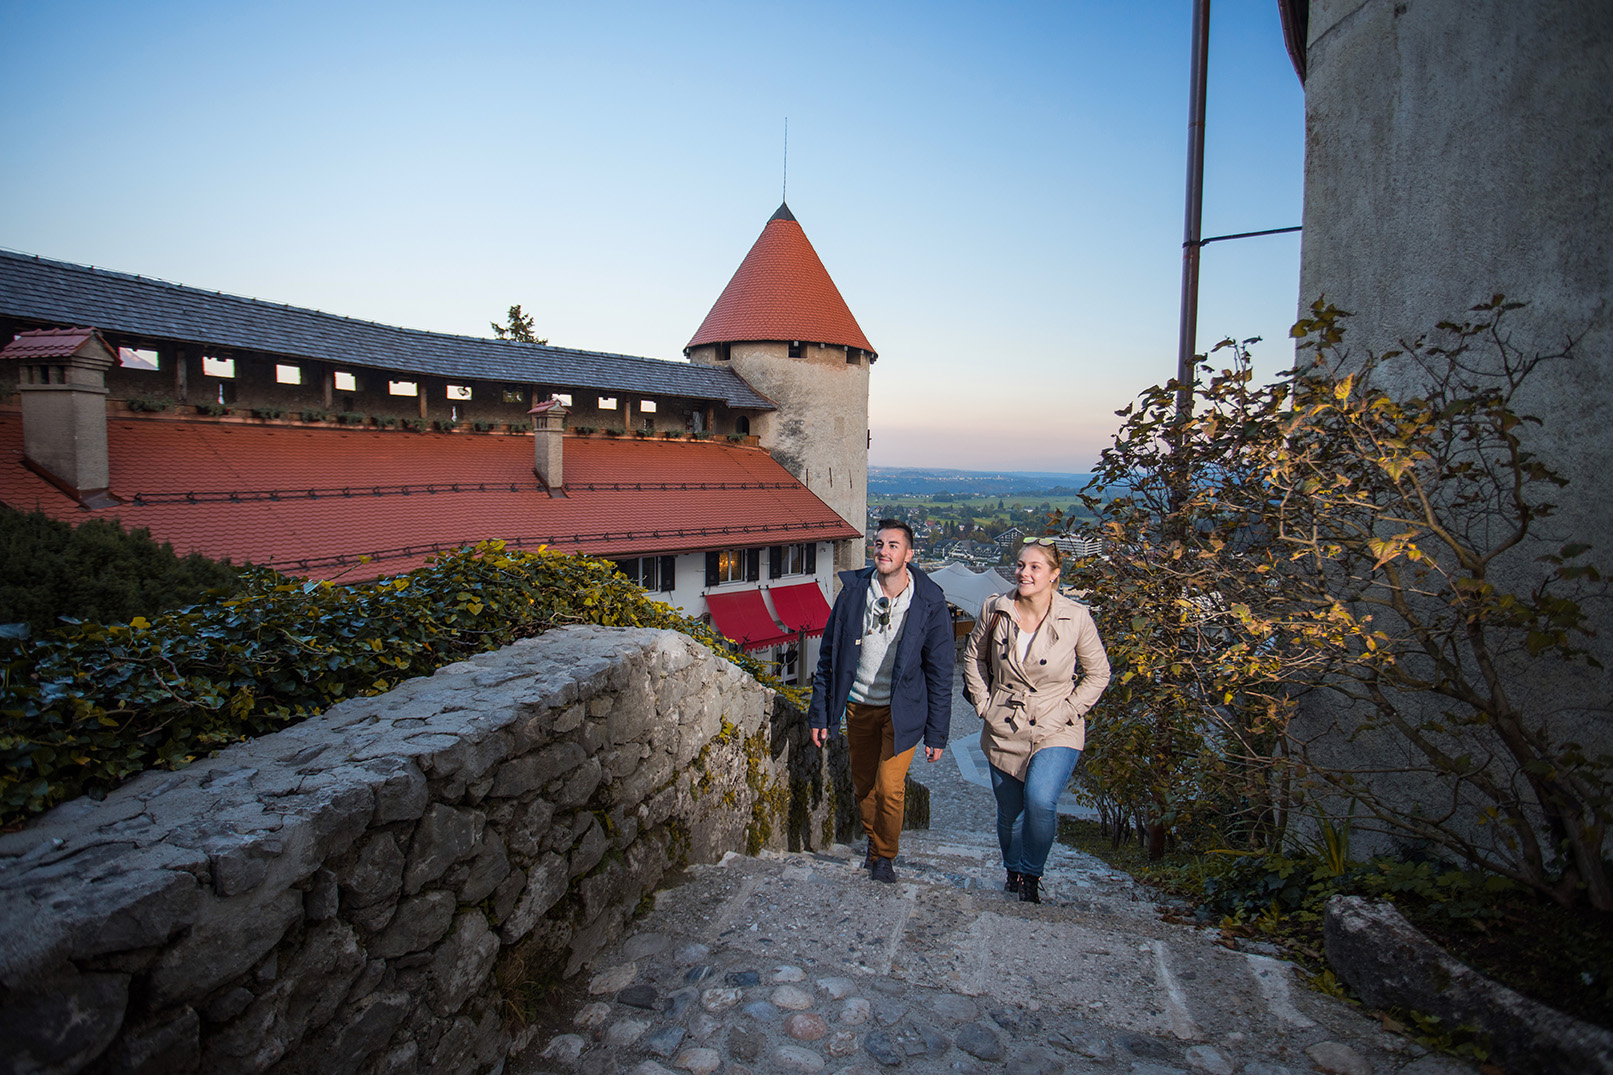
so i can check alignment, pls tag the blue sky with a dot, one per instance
(997, 189)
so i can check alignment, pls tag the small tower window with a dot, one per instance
(853, 356)
(795, 348)
(742, 425)
(722, 352)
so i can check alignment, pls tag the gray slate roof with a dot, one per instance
(60, 293)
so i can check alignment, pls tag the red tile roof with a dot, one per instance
(781, 291)
(46, 343)
(310, 501)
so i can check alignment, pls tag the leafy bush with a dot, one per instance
(1382, 549)
(268, 411)
(386, 421)
(582, 430)
(352, 418)
(150, 404)
(93, 705)
(212, 410)
(736, 438)
(444, 425)
(613, 432)
(314, 416)
(95, 571)
(413, 425)
(483, 425)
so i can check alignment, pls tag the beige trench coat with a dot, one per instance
(1042, 701)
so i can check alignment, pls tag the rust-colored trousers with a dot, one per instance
(878, 776)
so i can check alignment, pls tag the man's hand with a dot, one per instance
(820, 736)
(934, 753)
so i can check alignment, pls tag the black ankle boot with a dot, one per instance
(1013, 882)
(1028, 885)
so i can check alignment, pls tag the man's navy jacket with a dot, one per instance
(921, 679)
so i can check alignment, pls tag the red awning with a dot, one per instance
(743, 618)
(801, 608)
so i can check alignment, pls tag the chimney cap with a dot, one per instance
(547, 406)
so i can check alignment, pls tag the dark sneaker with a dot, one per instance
(1029, 889)
(1013, 882)
(882, 870)
(869, 856)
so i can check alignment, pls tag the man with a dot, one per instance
(886, 663)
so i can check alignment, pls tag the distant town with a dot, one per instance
(979, 518)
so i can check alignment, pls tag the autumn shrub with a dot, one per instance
(1373, 553)
(90, 706)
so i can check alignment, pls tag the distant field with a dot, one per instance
(885, 482)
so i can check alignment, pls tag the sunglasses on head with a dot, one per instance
(1040, 540)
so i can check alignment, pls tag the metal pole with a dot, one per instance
(1187, 341)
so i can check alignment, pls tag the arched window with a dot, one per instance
(742, 425)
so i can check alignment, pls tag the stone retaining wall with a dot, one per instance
(386, 887)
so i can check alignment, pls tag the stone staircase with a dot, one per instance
(799, 963)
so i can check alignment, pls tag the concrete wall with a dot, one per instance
(384, 887)
(820, 430)
(1455, 149)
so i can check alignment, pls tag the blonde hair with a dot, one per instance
(1046, 548)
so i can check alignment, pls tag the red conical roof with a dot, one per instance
(781, 291)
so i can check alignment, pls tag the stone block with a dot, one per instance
(64, 1025)
(1391, 964)
(323, 897)
(230, 936)
(487, 870)
(401, 795)
(590, 848)
(419, 923)
(462, 963)
(519, 776)
(171, 1045)
(546, 883)
(376, 873)
(528, 829)
(580, 785)
(443, 837)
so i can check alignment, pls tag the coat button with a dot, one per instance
(1033, 723)
(1044, 660)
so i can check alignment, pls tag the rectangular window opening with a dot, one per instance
(563, 398)
(135, 358)
(514, 395)
(458, 391)
(287, 374)
(646, 406)
(607, 403)
(795, 348)
(402, 388)
(346, 382)
(218, 367)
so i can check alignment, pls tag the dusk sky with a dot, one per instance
(996, 188)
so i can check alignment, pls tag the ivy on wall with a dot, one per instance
(94, 704)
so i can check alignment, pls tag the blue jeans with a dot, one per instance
(1027, 810)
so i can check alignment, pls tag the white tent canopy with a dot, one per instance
(967, 589)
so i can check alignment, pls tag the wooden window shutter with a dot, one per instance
(711, 568)
(753, 565)
(775, 561)
(812, 558)
(669, 573)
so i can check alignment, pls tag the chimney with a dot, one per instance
(548, 430)
(62, 382)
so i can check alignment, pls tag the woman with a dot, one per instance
(1032, 668)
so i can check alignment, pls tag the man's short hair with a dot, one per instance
(897, 524)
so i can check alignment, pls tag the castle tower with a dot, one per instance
(782, 325)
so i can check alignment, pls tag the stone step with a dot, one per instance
(802, 963)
